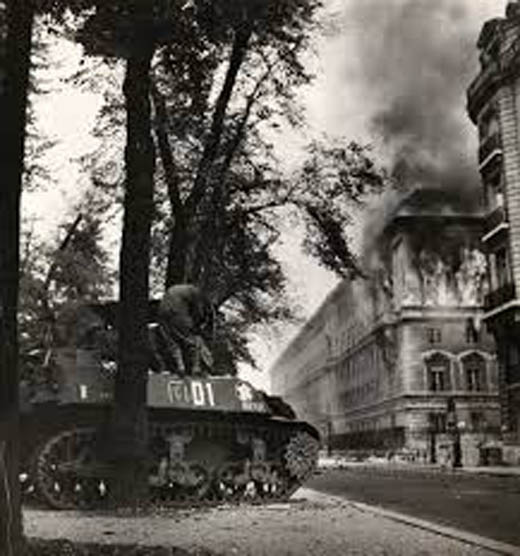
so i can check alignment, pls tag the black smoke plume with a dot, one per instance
(416, 59)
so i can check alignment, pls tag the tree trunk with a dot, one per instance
(16, 19)
(130, 417)
(176, 266)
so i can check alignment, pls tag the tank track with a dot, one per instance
(190, 462)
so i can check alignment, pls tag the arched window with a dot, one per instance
(474, 369)
(438, 367)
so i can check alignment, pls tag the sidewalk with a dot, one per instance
(478, 542)
(338, 462)
(312, 523)
(502, 470)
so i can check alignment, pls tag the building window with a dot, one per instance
(437, 422)
(438, 367)
(494, 191)
(437, 379)
(477, 421)
(473, 379)
(472, 334)
(502, 267)
(489, 123)
(513, 364)
(434, 335)
(474, 367)
(514, 356)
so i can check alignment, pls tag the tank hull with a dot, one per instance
(209, 440)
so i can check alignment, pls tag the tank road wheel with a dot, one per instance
(254, 482)
(61, 477)
(190, 481)
(181, 482)
(26, 478)
(232, 480)
(270, 481)
(301, 458)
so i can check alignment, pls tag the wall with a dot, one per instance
(358, 369)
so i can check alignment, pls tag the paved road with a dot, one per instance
(311, 524)
(484, 505)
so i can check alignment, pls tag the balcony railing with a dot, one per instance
(489, 145)
(494, 219)
(482, 88)
(489, 78)
(510, 58)
(499, 296)
(487, 74)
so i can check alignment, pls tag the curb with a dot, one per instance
(505, 472)
(468, 471)
(445, 531)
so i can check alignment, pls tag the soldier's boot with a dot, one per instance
(179, 362)
(174, 351)
(196, 367)
(192, 353)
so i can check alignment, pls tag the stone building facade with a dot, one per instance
(494, 107)
(398, 361)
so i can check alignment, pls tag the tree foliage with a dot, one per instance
(226, 79)
(72, 268)
(215, 104)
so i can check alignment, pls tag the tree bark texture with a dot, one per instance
(130, 418)
(16, 18)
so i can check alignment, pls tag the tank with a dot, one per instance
(211, 438)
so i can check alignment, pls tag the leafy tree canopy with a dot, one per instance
(55, 273)
(225, 75)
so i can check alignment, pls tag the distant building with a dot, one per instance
(399, 360)
(493, 105)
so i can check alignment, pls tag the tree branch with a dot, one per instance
(251, 99)
(64, 244)
(210, 151)
(165, 150)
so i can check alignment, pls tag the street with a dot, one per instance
(311, 523)
(479, 504)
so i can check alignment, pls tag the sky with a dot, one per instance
(392, 73)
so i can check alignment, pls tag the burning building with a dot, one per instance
(398, 360)
(493, 105)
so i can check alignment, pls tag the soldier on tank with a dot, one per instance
(184, 315)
